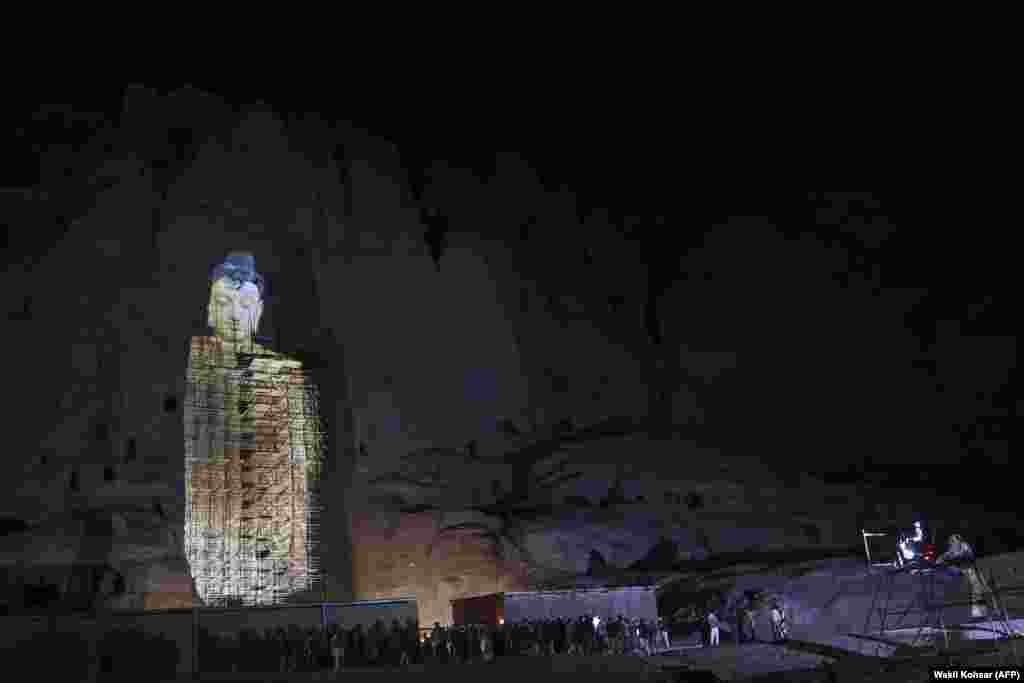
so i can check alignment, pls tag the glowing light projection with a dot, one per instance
(253, 454)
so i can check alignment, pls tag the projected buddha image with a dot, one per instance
(234, 311)
(253, 451)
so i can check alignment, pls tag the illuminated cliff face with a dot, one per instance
(399, 554)
(253, 447)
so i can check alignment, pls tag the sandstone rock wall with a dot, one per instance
(827, 601)
(404, 555)
(531, 315)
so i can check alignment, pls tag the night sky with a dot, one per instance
(877, 331)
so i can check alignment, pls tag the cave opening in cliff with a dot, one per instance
(254, 448)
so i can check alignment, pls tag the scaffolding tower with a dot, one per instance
(923, 612)
(890, 612)
(254, 449)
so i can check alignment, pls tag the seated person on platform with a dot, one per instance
(912, 545)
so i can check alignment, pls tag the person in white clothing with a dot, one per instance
(714, 626)
(779, 627)
(911, 545)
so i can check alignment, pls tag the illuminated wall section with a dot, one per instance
(253, 455)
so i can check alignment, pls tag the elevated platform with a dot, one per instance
(975, 630)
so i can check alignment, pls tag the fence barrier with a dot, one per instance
(163, 642)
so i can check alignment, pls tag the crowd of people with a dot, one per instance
(744, 625)
(584, 635)
(288, 649)
(291, 648)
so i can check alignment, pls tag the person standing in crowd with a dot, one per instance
(435, 642)
(503, 644)
(472, 642)
(534, 638)
(426, 647)
(268, 650)
(281, 647)
(408, 646)
(646, 634)
(629, 643)
(358, 646)
(291, 648)
(369, 651)
(234, 651)
(779, 627)
(294, 648)
(662, 634)
(412, 641)
(489, 644)
(446, 645)
(394, 638)
(323, 646)
(379, 645)
(749, 627)
(316, 639)
(500, 642)
(713, 626)
(570, 637)
(309, 651)
(337, 649)
(454, 644)
(243, 645)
